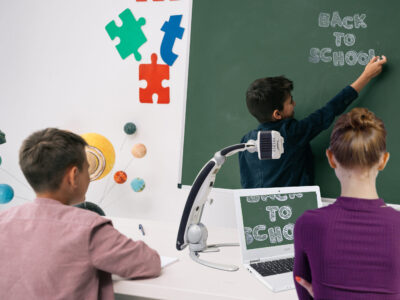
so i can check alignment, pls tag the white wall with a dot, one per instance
(59, 68)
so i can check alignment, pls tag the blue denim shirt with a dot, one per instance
(296, 166)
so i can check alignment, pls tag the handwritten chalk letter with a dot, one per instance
(257, 236)
(272, 212)
(248, 235)
(275, 235)
(285, 212)
(253, 199)
(288, 231)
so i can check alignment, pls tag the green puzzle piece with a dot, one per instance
(130, 34)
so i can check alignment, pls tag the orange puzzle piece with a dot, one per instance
(154, 74)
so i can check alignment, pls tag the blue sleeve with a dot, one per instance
(246, 160)
(305, 130)
(301, 263)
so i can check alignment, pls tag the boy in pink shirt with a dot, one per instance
(51, 250)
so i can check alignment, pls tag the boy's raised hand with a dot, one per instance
(372, 69)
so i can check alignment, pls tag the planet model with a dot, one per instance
(100, 154)
(130, 128)
(138, 184)
(6, 193)
(120, 177)
(139, 150)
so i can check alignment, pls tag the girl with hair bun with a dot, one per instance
(350, 249)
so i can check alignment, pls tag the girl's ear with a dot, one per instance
(383, 161)
(331, 159)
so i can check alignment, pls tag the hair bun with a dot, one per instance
(361, 118)
(358, 139)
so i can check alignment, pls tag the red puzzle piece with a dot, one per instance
(154, 74)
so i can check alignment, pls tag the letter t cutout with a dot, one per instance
(172, 31)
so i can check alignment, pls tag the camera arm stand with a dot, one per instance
(197, 233)
(192, 232)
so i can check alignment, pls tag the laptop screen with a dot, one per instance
(269, 218)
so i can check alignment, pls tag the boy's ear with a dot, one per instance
(331, 159)
(71, 176)
(276, 115)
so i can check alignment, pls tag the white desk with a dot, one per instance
(186, 279)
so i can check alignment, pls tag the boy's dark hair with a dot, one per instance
(46, 155)
(265, 95)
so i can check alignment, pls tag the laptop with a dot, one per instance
(265, 220)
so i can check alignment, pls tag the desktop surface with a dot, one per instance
(187, 279)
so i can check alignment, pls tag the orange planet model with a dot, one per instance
(139, 150)
(120, 177)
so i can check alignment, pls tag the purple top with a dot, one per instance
(349, 250)
(53, 251)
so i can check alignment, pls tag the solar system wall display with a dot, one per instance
(101, 157)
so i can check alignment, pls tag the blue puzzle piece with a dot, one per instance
(130, 34)
(172, 31)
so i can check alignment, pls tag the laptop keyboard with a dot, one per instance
(274, 267)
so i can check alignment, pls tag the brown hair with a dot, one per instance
(46, 155)
(358, 139)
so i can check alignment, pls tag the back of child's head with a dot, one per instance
(46, 155)
(265, 95)
(358, 139)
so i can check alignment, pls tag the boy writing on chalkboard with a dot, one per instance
(270, 101)
(51, 250)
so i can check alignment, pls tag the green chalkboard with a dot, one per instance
(268, 220)
(234, 42)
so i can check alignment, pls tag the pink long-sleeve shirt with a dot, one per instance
(53, 251)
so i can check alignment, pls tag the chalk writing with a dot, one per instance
(257, 236)
(298, 195)
(348, 39)
(325, 20)
(279, 197)
(275, 234)
(253, 199)
(284, 212)
(288, 231)
(272, 212)
(248, 235)
(340, 58)
(268, 220)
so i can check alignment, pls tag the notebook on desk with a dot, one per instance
(166, 260)
(265, 220)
